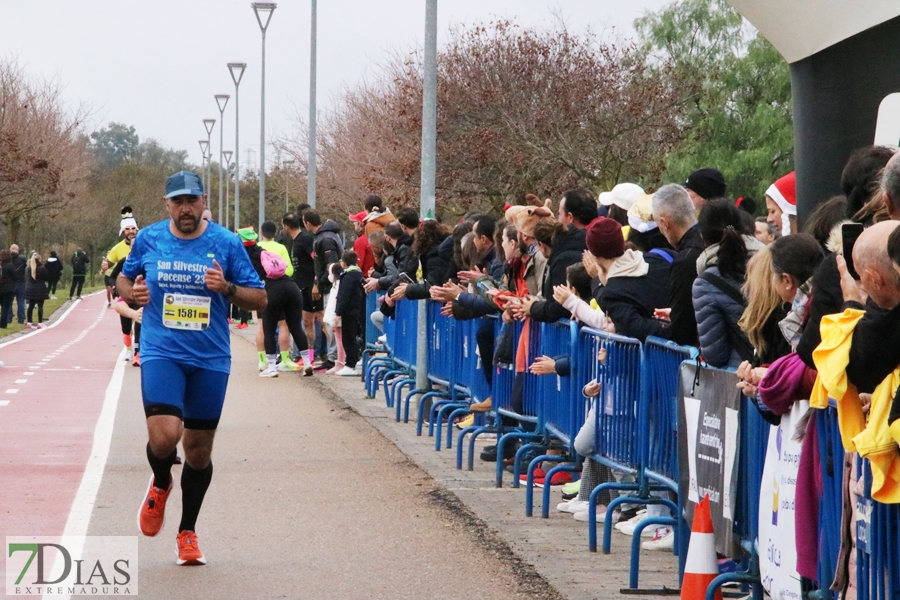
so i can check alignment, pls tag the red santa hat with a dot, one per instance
(784, 193)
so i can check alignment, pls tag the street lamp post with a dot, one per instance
(311, 160)
(227, 155)
(237, 72)
(287, 181)
(262, 10)
(429, 159)
(221, 101)
(204, 146)
(208, 124)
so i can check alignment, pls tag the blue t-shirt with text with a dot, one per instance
(173, 266)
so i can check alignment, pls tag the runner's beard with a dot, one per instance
(187, 223)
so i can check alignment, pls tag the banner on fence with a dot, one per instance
(777, 542)
(708, 446)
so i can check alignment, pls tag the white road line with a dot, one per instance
(4, 402)
(12, 391)
(21, 381)
(28, 373)
(37, 331)
(86, 497)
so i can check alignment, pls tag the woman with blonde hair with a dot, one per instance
(765, 308)
(35, 289)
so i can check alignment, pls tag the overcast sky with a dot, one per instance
(156, 65)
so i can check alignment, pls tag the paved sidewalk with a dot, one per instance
(557, 547)
(306, 501)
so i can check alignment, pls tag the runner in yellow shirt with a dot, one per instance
(116, 257)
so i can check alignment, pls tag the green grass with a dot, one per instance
(50, 307)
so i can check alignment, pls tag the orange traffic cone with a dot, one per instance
(701, 566)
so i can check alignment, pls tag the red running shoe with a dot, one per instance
(152, 514)
(187, 550)
(539, 476)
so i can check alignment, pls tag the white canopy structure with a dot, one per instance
(845, 61)
(800, 28)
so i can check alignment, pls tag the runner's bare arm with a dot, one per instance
(134, 291)
(244, 297)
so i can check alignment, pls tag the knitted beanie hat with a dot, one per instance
(127, 219)
(706, 183)
(604, 238)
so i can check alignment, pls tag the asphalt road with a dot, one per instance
(307, 501)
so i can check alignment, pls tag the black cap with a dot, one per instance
(706, 183)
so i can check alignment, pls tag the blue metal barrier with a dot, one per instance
(557, 405)
(615, 417)
(504, 408)
(658, 436)
(831, 457)
(877, 543)
(503, 376)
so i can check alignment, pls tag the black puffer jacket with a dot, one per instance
(328, 247)
(35, 288)
(80, 262)
(398, 261)
(683, 329)
(8, 284)
(18, 264)
(827, 299)
(434, 268)
(567, 250)
(629, 302)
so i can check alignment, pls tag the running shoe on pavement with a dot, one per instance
(152, 514)
(560, 478)
(187, 550)
(630, 525)
(288, 365)
(241, 326)
(269, 372)
(539, 475)
(308, 371)
(601, 515)
(347, 372)
(663, 539)
(573, 506)
(136, 361)
(261, 366)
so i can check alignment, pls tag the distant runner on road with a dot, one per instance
(184, 271)
(129, 228)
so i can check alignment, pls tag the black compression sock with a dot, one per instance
(162, 467)
(194, 484)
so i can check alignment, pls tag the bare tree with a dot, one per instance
(43, 158)
(519, 111)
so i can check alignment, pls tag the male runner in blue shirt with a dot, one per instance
(184, 271)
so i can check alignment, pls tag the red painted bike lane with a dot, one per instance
(52, 390)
